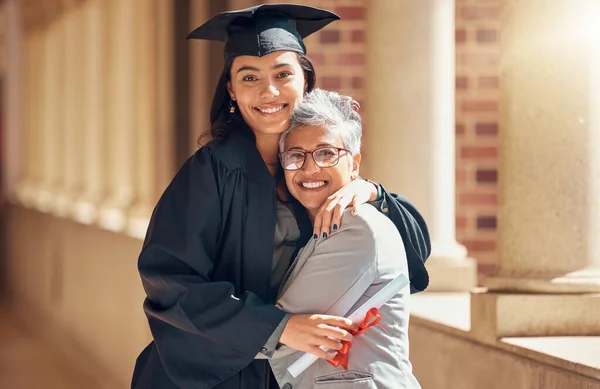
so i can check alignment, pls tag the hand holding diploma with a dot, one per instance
(377, 301)
(317, 334)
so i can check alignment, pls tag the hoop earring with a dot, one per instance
(231, 107)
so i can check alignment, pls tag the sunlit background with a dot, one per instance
(485, 113)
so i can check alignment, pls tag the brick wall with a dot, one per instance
(338, 51)
(338, 54)
(477, 101)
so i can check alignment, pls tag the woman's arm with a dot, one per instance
(415, 235)
(334, 277)
(408, 220)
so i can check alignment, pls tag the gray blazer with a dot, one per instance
(337, 275)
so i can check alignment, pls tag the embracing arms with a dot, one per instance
(410, 223)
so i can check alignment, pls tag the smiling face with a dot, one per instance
(266, 89)
(311, 185)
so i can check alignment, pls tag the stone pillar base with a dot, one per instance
(498, 315)
(451, 275)
(112, 218)
(139, 218)
(63, 204)
(114, 212)
(582, 281)
(46, 198)
(85, 211)
(26, 194)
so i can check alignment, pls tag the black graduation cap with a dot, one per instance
(265, 28)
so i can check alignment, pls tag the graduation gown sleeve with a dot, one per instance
(415, 235)
(204, 330)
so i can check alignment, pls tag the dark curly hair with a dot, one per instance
(222, 122)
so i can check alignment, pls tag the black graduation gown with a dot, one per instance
(206, 265)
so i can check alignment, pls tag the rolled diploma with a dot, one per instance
(378, 299)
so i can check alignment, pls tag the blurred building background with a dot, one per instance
(485, 113)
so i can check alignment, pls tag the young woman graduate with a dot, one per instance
(217, 247)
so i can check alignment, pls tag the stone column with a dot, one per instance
(200, 94)
(94, 108)
(13, 134)
(164, 165)
(46, 114)
(121, 114)
(409, 137)
(549, 216)
(72, 106)
(28, 187)
(146, 118)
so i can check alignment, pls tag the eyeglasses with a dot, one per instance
(324, 157)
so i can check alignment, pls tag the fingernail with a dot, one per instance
(335, 227)
(315, 236)
(331, 355)
(324, 235)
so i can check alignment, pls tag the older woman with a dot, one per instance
(321, 154)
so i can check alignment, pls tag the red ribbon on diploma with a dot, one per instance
(371, 319)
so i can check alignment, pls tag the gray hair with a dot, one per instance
(336, 113)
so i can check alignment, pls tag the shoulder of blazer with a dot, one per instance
(373, 225)
(357, 233)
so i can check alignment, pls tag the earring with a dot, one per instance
(231, 107)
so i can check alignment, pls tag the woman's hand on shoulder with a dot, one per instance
(329, 217)
(309, 333)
